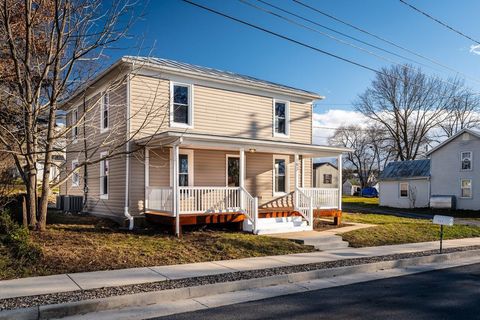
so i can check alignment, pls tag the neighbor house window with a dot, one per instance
(181, 111)
(104, 112)
(74, 125)
(466, 188)
(327, 179)
(280, 175)
(404, 190)
(104, 168)
(281, 118)
(467, 160)
(75, 174)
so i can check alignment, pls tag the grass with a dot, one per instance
(360, 200)
(396, 230)
(78, 244)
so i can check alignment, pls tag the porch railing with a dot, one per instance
(250, 207)
(209, 199)
(159, 199)
(322, 198)
(304, 205)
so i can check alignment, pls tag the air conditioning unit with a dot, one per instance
(73, 204)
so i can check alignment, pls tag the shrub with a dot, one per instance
(18, 240)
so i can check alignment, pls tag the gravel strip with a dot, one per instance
(73, 296)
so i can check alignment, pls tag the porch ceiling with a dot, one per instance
(214, 142)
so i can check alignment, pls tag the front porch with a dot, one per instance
(263, 189)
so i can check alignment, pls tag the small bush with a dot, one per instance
(18, 240)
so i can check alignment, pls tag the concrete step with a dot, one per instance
(331, 246)
(283, 229)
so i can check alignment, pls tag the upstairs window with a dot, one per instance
(75, 174)
(466, 188)
(104, 168)
(327, 179)
(281, 120)
(74, 125)
(181, 112)
(466, 161)
(404, 190)
(104, 112)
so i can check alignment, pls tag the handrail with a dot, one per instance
(304, 205)
(250, 207)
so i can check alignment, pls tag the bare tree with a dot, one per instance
(48, 48)
(370, 150)
(463, 113)
(408, 105)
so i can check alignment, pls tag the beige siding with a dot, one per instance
(216, 111)
(89, 131)
(318, 177)
(137, 182)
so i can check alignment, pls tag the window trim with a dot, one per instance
(74, 166)
(471, 160)
(287, 175)
(400, 189)
(74, 125)
(287, 119)
(471, 188)
(226, 166)
(174, 124)
(102, 109)
(105, 195)
(191, 159)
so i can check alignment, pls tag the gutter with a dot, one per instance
(127, 164)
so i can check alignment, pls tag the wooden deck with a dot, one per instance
(166, 218)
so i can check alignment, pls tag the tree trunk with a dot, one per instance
(32, 197)
(24, 211)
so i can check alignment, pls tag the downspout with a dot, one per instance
(127, 164)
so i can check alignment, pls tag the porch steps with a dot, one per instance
(278, 225)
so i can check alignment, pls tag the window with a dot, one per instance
(233, 171)
(280, 182)
(466, 161)
(104, 112)
(183, 170)
(74, 124)
(181, 112)
(281, 121)
(104, 168)
(327, 179)
(466, 188)
(404, 190)
(75, 174)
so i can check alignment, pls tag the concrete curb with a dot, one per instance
(148, 298)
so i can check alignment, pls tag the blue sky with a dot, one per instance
(176, 30)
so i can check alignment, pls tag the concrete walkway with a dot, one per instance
(91, 280)
(326, 240)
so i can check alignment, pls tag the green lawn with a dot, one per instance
(396, 230)
(77, 244)
(360, 200)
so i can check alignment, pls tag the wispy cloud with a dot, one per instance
(475, 49)
(323, 123)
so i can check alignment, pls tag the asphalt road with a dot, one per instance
(445, 294)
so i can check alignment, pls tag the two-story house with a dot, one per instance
(204, 146)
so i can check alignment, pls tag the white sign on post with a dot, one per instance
(443, 220)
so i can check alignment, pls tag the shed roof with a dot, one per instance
(321, 164)
(406, 170)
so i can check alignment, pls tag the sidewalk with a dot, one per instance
(90, 280)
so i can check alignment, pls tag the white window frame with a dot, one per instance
(190, 154)
(471, 160)
(471, 188)
(105, 95)
(74, 125)
(287, 175)
(287, 119)
(400, 189)
(226, 165)
(76, 173)
(105, 195)
(174, 124)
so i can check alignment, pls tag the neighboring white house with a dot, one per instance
(325, 175)
(405, 184)
(455, 169)
(350, 189)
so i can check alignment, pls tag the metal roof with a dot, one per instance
(406, 169)
(216, 73)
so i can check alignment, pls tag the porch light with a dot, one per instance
(252, 150)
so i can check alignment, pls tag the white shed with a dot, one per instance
(405, 184)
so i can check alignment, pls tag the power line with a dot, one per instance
(439, 21)
(381, 38)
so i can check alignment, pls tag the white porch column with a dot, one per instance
(242, 178)
(147, 178)
(296, 179)
(176, 194)
(339, 165)
(302, 171)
